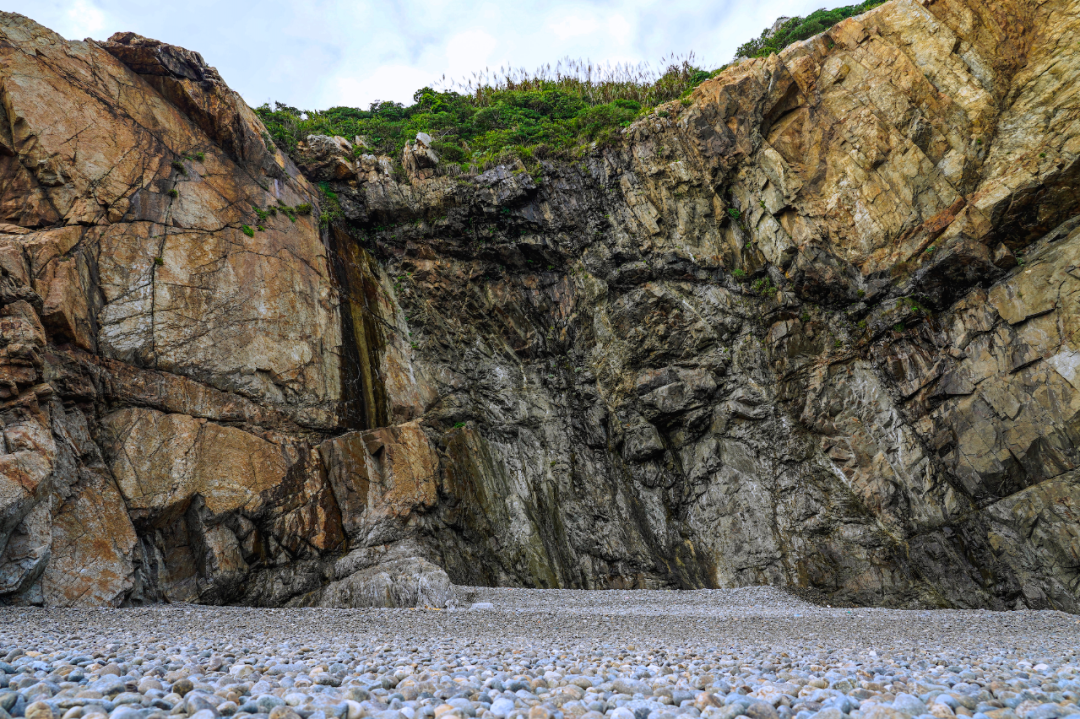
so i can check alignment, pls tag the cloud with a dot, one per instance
(383, 83)
(620, 29)
(573, 26)
(79, 19)
(321, 53)
(468, 51)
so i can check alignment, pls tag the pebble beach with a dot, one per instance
(753, 653)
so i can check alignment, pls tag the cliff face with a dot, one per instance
(814, 328)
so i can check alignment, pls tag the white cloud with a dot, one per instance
(573, 26)
(80, 20)
(468, 51)
(385, 82)
(321, 53)
(620, 29)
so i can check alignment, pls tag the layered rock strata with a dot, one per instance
(813, 327)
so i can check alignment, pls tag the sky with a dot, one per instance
(315, 54)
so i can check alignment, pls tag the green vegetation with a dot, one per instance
(331, 203)
(179, 167)
(914, 305)
(801, 28)
(554, 112)
(738, 274)
(549, 113)
(764, 287)
(200, 156)
(735, 214)
(159, 261)
(174, 192)
(247, 230)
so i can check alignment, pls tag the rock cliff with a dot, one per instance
(818, 327)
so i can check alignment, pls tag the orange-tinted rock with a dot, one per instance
(381, 478)
(92, 548)
(161, 461)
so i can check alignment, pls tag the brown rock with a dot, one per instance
(572, 391)
(162, 460)
(92, 548)
(1003, 257)
(182, 686)
(38, 710)
(283, 712)
(380, 478)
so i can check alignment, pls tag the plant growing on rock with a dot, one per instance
(801, 28)
(552, 112)
(764, 287)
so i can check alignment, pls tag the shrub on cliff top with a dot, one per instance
(531, 115)
(801, 28)
(547, 113)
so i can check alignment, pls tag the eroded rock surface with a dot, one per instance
(814, 328)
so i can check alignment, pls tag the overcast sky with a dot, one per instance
(315, 54)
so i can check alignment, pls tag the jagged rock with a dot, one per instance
(551, 376)
(322, 157)
(418, 159)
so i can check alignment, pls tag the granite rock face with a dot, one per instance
(814, 327)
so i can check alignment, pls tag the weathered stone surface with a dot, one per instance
(408, 582)
(380, 478)
(199, 402)
(161, 461)
(92, 549)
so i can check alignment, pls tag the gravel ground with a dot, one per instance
(754, 653)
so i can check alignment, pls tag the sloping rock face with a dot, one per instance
(813, 327)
